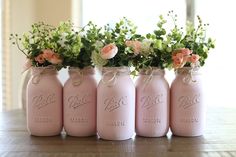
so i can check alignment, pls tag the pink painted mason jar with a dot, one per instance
(116, 104)
(44, 102)
(187, 103)
(80, 98)
(152, 103)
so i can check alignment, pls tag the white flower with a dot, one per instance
(98, 60)
(98, 45)
(145, 47)
(63, 39)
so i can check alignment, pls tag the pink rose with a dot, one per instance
(55, 59)
(109, 51)
(136, 46)
(185, 51)
(179, 60)
(194, 58)
(47, 54)
(40, 59)
(177, 55)
(128, 43)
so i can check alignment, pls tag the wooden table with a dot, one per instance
(219, 140)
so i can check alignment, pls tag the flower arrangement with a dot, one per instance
(190, 48)
(113, 49)
(90, 39)
(117, 46)
(155, 49)
(38, 47)
(67, 42)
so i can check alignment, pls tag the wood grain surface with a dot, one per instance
(219, 140)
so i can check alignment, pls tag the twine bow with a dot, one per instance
(189, 73)
(77, 74)
(111, 74)
(37, 74)
(188, 78)
(150, 72)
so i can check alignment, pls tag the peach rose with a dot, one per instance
(177, 55)
(136, 46)
(179, 60)
(194, 58)
(185, 51)
(55, 59)
(40, 59)
(47, 54)
(109, 51)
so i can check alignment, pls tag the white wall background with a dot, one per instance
(0, 55)
(218, 72)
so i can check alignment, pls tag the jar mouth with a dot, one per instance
(87, 67)
(83, 71)
(122, 69)
(44, 70)
(46, 67)
(187, 70)
(152, 71)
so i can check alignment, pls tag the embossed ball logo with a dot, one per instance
(149, 102)
(186, 102)
(114, 103)
(77, 101)
(43, 100)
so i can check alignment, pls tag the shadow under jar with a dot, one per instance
(80, 97)
(187, 103)
(44, 102)
(116, 104)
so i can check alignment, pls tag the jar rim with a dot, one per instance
(185, 70)
(87, 67)
(115, 69)
(44, 70)
(152, 71)
(83, 71)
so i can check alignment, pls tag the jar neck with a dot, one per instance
(187, 70)
(39, 72)
(111, 74)
(115, 70)
(84, 71)
(77, 75)
(188, 75)
(48, 70)
(152, 71)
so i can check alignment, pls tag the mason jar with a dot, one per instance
(44, 102)
(187, 103)
(80, 98)
(152, 103)
(116, 104)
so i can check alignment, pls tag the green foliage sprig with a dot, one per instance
(116, 38)
(37, 45)
(194, 39)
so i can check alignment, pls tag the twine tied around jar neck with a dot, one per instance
(151, 71)
(111, 73)
(77, 74)
(188, 73)
(37, 72)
